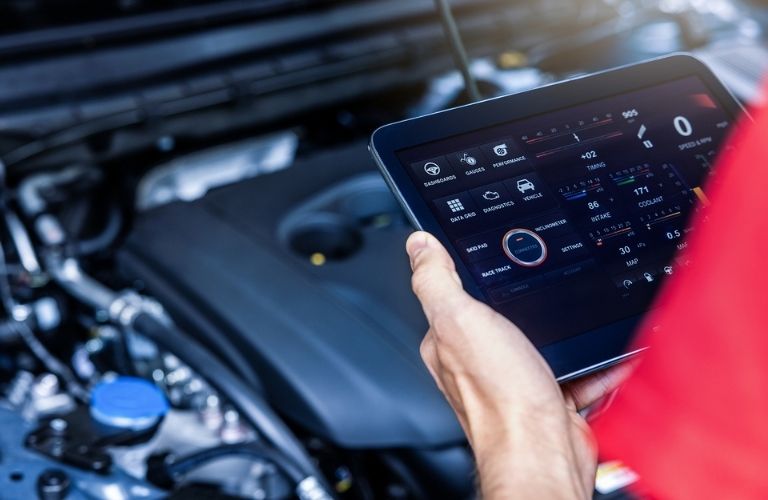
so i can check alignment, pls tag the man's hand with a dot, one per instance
(528, 437)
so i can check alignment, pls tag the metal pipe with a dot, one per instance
(457, 49)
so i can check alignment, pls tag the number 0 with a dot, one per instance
(683, 126)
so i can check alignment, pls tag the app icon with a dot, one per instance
(455, 205)
(524, 185)
(501, 150)
(628, 283)
(668, 270)
(432, 168)
(468, 159)
(648, 277)
(491, 195)
(648, 144)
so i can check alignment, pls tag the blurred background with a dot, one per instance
(192, 227)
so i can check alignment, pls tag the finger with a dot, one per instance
(588, 391)
(435, 281)
(421, 240)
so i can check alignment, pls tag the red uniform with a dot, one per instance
(693, 418)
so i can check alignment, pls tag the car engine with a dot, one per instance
(202, 275)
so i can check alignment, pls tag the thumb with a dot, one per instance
(434, 281)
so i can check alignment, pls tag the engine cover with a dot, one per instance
(303, 274)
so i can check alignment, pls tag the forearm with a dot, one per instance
(534, 461)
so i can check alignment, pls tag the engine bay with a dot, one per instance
(204, 287)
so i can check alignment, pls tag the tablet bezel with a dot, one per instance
(594, 349)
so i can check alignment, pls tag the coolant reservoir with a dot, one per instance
(128, 403)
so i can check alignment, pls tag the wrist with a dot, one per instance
(530, 458)
(528, 471)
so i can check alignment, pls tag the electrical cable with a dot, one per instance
(252, 405)
(51, 363)
(105, 238)
(25, 333)
(177, 468)
(72, 135)
(8, 332)
(457, 49)
(89, 128)
(6, 295)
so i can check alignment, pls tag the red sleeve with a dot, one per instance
(693, 418)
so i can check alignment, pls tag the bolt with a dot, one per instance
(46, 385)
(171, 362)
(231, 417)
(59, 425)
(158, 375)
(179, 375)
(212, 401)
(232, 430)
(53, 484)
(210, 412)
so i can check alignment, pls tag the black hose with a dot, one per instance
(105, 238)
(177, 468)
(72, 135)
(51, 362)
(8, 333)
(25, 333)
(250, 403)
(79, 132)
(6, 294)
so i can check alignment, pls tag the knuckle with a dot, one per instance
(470, 314)
(465, 317)
(445, 324)
(421, 259)
(458, 318)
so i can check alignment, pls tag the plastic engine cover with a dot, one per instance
(303, 274)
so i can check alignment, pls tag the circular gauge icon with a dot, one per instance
(524, 247)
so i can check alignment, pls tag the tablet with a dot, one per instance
(565, 207)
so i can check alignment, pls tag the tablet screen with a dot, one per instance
(570, 220)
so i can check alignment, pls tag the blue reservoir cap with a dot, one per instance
(128, 403)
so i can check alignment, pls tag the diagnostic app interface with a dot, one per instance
(570, 220)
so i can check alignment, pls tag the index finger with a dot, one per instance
(589, 390)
